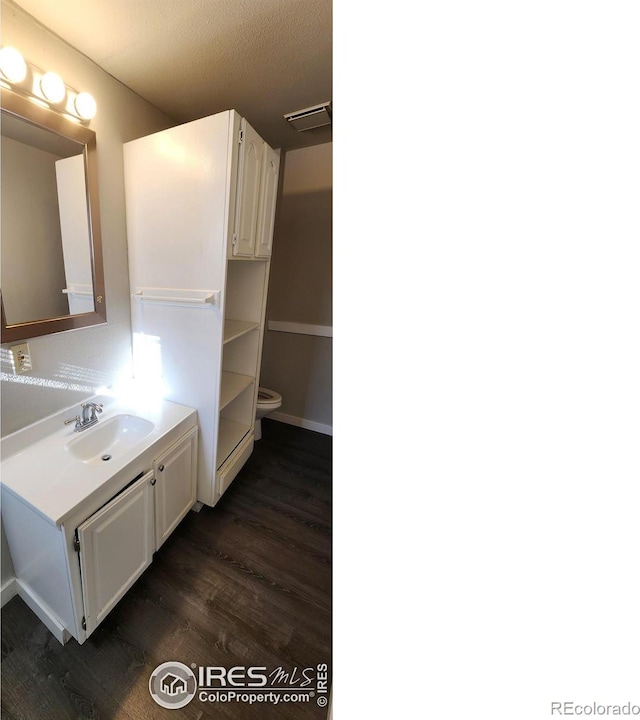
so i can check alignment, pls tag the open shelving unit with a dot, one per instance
(243, 324)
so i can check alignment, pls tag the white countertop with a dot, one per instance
(39, 469)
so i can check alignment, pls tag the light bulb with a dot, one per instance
(12, 65)
(85, 105)
(53, 87)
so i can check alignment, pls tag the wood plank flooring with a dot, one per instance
(245, 583)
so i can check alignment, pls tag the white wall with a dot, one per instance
(69, 366)
(299, 366)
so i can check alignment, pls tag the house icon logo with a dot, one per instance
(172, 685)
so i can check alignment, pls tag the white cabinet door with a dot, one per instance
(116, 547)
(267, 208)
(248, 192)
(176, 477)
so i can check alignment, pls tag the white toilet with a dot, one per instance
(268, 401)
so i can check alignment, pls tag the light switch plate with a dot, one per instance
(21, 358)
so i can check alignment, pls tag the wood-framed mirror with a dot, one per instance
(51, 264)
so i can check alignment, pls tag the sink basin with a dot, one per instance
(109, 438)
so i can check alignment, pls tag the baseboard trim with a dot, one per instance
(301, 422)
(8, 590)
(41, 609)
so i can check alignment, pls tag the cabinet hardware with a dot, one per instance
(84, 623)
(161, 468)
(153, 481)
(241, 138)
(76, 543)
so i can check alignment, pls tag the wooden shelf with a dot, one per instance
(230, 433)
(236, 328)
(232, 385)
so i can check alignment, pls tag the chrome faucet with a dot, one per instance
(89, 416)
(90, 412)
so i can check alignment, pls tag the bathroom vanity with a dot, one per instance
(85, 511)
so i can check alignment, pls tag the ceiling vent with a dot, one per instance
(309, 118)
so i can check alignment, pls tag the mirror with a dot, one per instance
(51, 252)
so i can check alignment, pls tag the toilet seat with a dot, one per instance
(268, 397)
(268, 401)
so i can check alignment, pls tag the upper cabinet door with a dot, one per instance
(248, 193)
(267, 208)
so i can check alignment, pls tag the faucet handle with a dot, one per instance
(75, 419)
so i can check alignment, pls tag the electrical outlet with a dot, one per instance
(21, 358)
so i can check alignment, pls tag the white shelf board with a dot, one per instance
(232, 385)
(236, 328)
(229, 435)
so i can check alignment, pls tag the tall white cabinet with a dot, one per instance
(200, 200)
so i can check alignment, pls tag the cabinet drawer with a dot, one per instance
(234, 463)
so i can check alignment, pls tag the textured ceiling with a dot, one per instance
(192, 58)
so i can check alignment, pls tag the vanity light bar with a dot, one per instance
(44, 88)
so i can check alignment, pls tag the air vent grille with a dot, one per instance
(309, 118)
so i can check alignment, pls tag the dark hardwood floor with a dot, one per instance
(245, 583)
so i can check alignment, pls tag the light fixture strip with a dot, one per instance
(44, 88)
